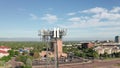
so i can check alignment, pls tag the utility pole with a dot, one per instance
(53, 35)
(45, 37)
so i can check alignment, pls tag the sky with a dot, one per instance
(83, 19)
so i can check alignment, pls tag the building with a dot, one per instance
(108, 48)
(117, 39)
(4, 51)
(99, 50)
(5, 48)
(110, 45)
(87, 45)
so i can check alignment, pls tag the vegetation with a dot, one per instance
(27, 58)
(85, 53)
(107, 56)
(89, 53)
(17, 45)
(7, 58)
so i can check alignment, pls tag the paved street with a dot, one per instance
(95, 64)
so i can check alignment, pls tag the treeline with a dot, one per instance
(17, 45)
(81, 52)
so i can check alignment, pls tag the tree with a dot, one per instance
(89, 52)
(16, 53)
(27, 66)
(79, 54)
(21, 58)
(5, 58)
(36, 55)
(95, 54)
(11, 53)
(29, 62)
(105, 55)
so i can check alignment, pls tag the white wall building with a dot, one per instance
(5, 48)
(4, 51)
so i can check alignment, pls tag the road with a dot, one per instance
(95, 64)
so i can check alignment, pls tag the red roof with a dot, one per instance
(3, 52)
(4, 47)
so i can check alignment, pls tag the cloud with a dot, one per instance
(99, 17)
(95, 22)
(92, 23)
(115, 10)
(113, 29)
(102, 13)
(49, 18)
(33, 16)
(95, 10)
(74, 19)
(109, 16)
(71, 14)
